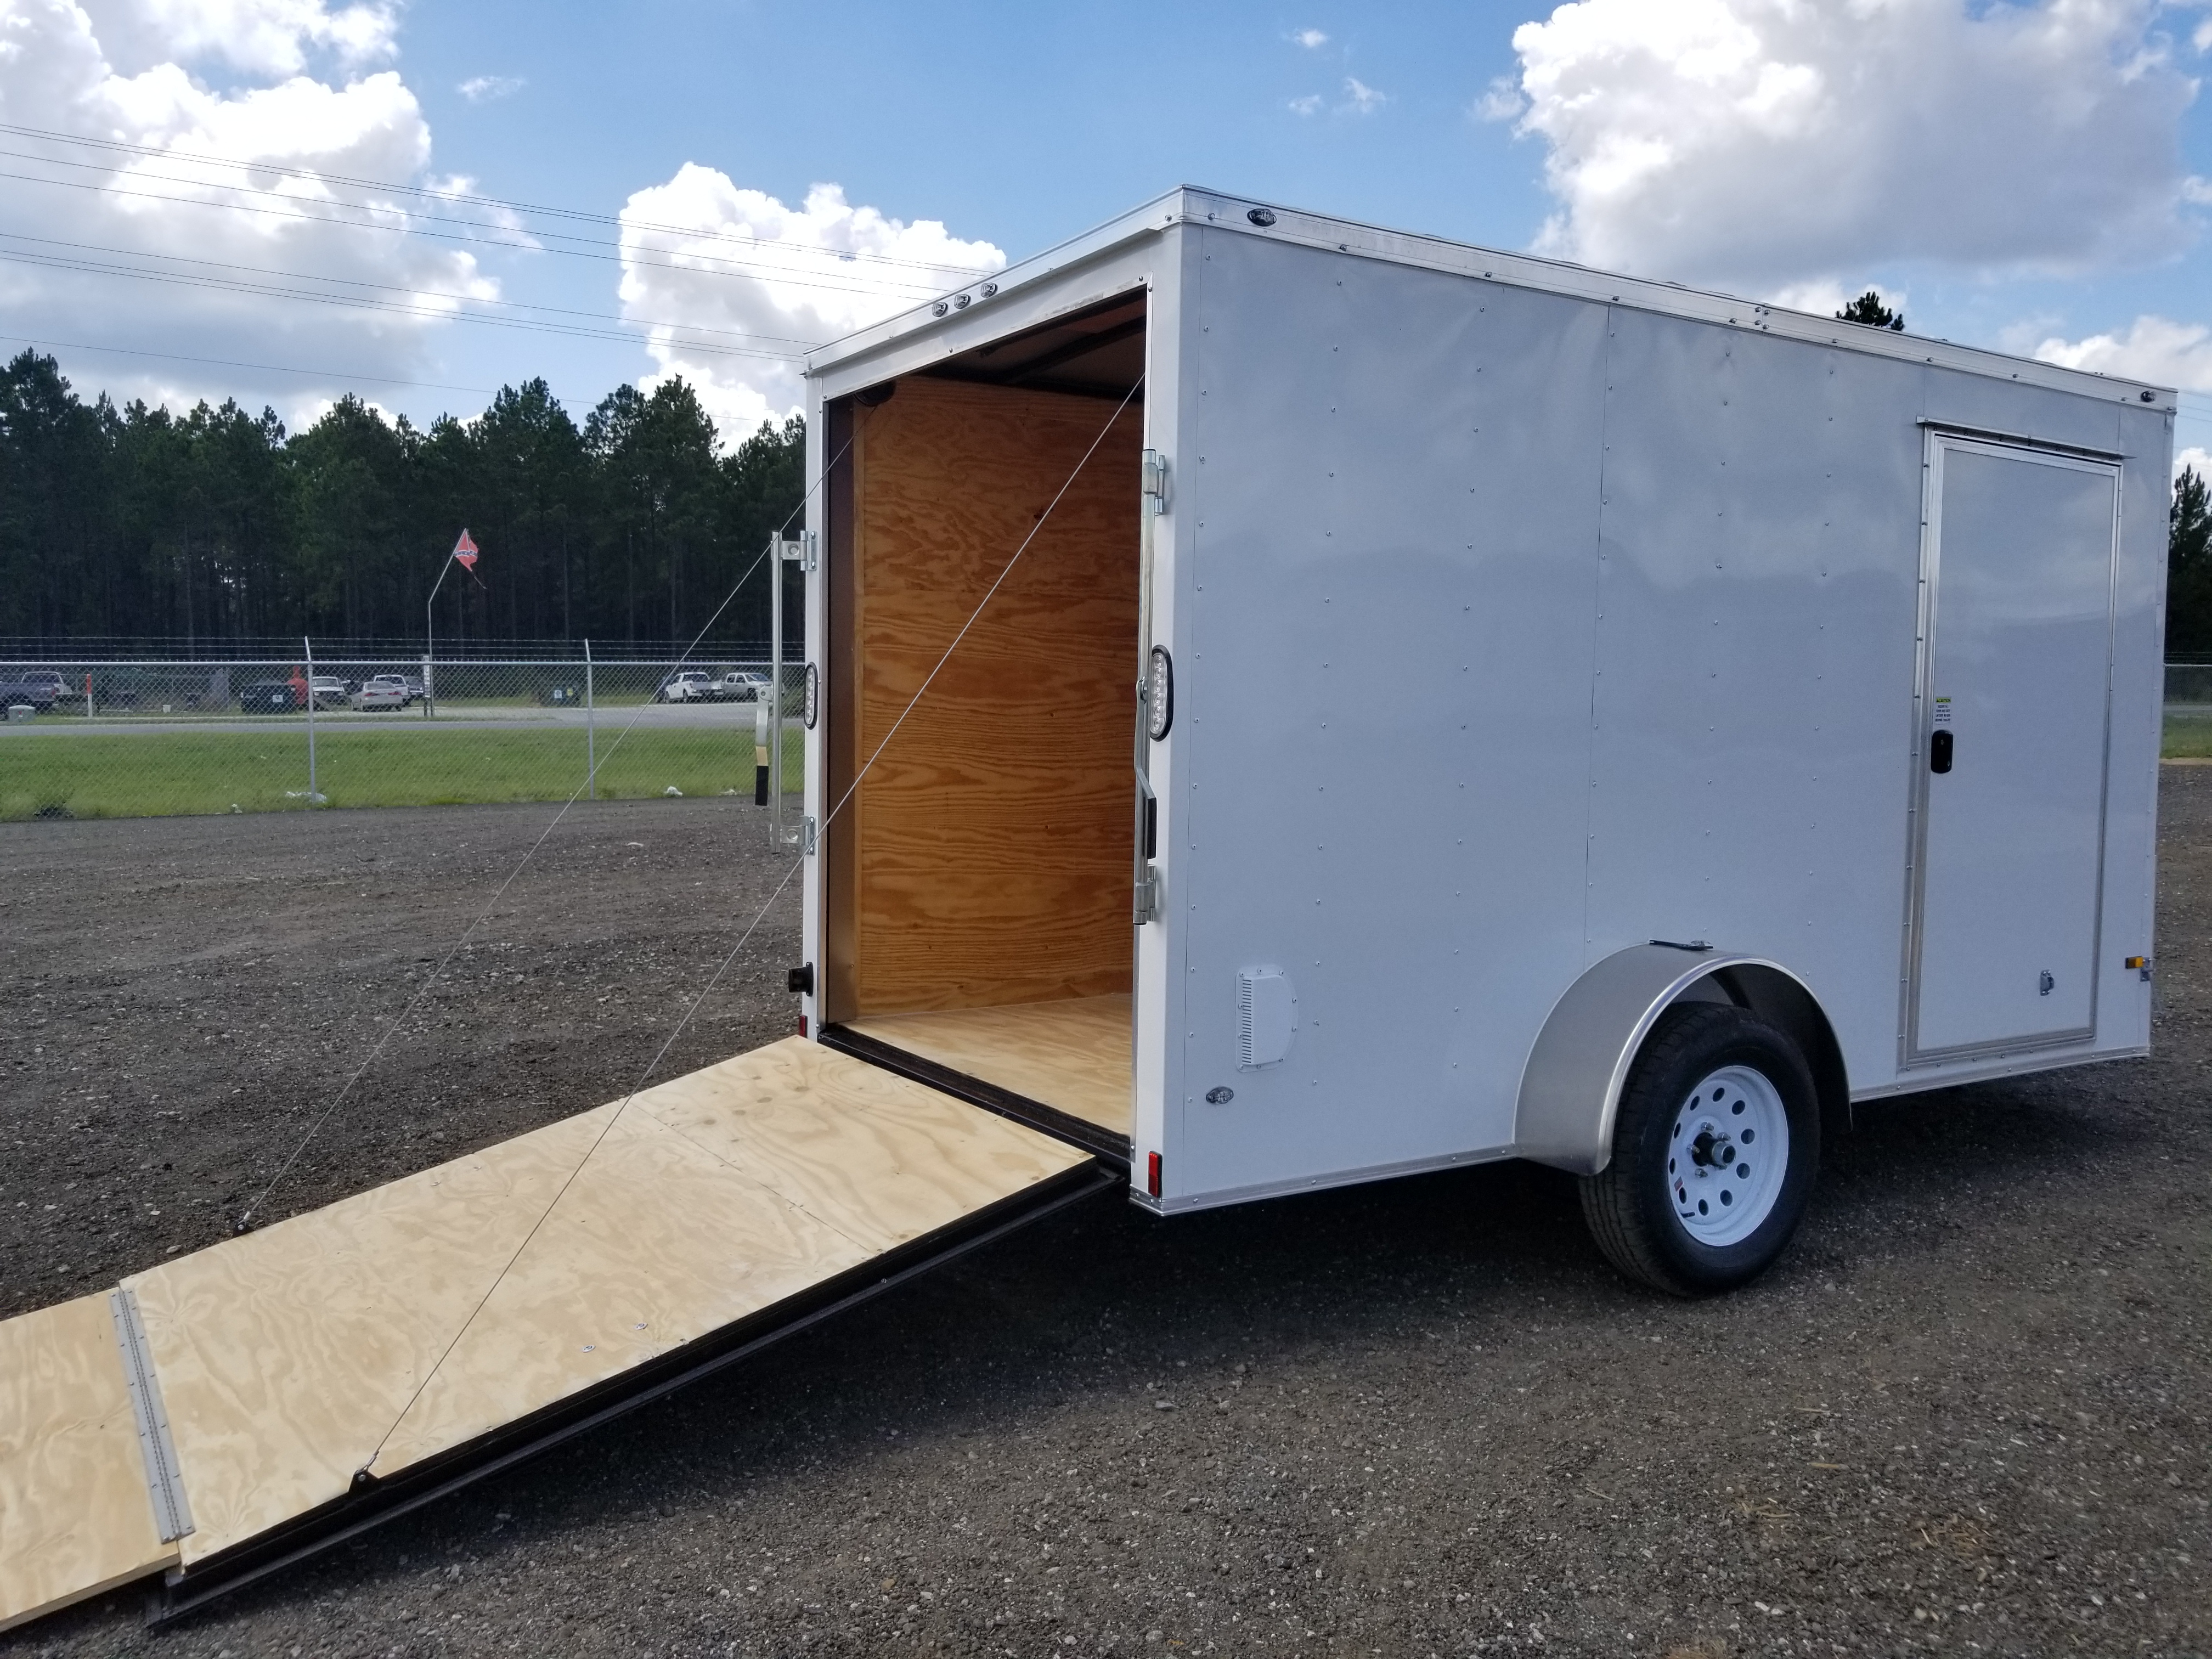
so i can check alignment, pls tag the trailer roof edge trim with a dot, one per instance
(1191, 204)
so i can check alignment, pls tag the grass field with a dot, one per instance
(168, 775)
(180, 773)
(2188, 737)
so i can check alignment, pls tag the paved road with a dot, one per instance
(724, 716)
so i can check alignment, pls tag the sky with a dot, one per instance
(203, 199)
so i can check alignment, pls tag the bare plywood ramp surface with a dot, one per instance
(391, 1326)
(75, 1516)
(1073, 1055)
(286, 1354)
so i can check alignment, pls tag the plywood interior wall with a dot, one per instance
(991, 841)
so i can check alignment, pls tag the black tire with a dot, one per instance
(1628, 1204)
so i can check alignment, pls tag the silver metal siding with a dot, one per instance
(1394, 475)
(1752, 703)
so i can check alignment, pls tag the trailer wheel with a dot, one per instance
(1715, 1148)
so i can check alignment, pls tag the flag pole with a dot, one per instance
(428, 649)
(465, 551)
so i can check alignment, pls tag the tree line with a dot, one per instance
(218, 526)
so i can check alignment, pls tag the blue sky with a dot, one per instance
(2035, 178)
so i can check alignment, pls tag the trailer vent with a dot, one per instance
(1266, 1015)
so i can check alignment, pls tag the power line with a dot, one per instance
(392, 287)
(963, 272)
(228, 363)
(533, 242)
(355, 302)
(700, 263)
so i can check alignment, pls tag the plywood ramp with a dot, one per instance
(1073, 1055)
(74, 1516)
(410, 1321)
(995, 832)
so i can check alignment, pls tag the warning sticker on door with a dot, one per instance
(1942, 711)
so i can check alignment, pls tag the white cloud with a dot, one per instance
(483, 88)
(174, 209)
(2200, 459)
(1309, 104)
(1501, 101)
(260, 37)
(1311, 39)
(2202, 38)
(1756, 142)
(2154, 349)
(2196, 190)
(817, 271)
(1360, 98)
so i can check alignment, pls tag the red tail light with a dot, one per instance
(1152, 1174)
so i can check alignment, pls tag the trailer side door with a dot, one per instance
(2015, 668)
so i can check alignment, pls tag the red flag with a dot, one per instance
(465, 551)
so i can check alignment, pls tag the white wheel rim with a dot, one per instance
(1727, 1153)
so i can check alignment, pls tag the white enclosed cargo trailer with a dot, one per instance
(1575, 717)
(1571, 717)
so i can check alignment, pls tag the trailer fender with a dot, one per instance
(1571, 1086)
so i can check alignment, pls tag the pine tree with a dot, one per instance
(1868, 309)
(2188, 568)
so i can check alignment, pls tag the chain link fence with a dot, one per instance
(150, 738)
(156, 739)
(2189, 711)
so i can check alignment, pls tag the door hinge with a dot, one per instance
(1155, 475)
(806, 551)
(1147, 907)
(804, 838)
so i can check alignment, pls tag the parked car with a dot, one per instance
(382, 691)
(738, 686)
(686, 685)
(126, 688)
(389, 691)
(331, 692)
(270, 697)
(41, 687)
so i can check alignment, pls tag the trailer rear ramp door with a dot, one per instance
(331, 1368)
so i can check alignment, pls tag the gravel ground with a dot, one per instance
(1968, 1413)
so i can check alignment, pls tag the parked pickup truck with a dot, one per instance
(41, 687)
(690, 686)
(738, 686)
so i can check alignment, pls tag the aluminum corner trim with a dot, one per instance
(165, 1482)
(1570, 1087)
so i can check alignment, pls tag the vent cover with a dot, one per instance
(1266, 1015)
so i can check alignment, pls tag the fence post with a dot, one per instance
(308, 646)
(591, 736)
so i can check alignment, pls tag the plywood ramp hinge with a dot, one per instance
(164, 1483)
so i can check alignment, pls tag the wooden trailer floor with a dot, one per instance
(1074, 1055)
(412, 1320)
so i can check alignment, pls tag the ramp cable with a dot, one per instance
(245, 1218)
(607, 1128)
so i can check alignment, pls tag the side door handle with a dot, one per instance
(1939, 751)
